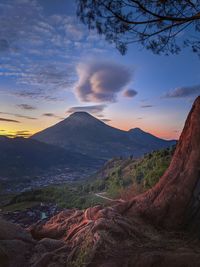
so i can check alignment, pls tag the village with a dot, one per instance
(55, 177)
(29, 216)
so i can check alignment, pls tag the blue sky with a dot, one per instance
(51, 65)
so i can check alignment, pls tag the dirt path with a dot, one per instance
(101, 196)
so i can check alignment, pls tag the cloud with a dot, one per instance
(105, 120)
(48, 77)
(26, 107)
(25, 32)
(20, 133)
(40, 44)
(184, 92)
(139, 118)
(129, 93)
(9, 120)
(90, 109)
(101, 81)
(24, 116)
(50, 115)
(18, 115)
(146, 106)
(38, 94)
(100, 116)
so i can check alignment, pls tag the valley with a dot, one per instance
(118, 179)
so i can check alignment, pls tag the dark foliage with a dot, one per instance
(154, 24)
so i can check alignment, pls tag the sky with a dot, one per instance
(51, 66)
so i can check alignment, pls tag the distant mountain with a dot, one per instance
(21, 156)
(83, 133)
(149, 140)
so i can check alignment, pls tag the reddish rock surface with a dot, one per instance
(175, 200)
(130, 233)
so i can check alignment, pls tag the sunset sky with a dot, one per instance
(51, 66)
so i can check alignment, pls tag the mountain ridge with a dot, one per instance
(82, 132)
(22, 156)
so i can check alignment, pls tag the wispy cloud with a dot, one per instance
(105, 120)
(25, 117)
(48, 77)
(36, 95)
(26, 107)
(101, 81)
(90, 109)
(182, 92)
(19, 115)
(20, 133)
(27, 32)
(9, 120)
(130, 93)
(146, 106)
(52, 115)
(30, 28)
(49, 115)
(43, 48)
(14, 134)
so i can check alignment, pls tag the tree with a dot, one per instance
(163, 26)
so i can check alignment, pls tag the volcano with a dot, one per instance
(85, 134)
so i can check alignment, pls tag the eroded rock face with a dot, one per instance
(105, 238)
(126, 233)
(175, 200)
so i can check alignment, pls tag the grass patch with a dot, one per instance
(19, 206)
(64, 196)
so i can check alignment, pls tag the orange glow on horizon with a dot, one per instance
(161, 133)
(26, 130)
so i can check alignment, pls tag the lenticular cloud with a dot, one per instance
(101, 81)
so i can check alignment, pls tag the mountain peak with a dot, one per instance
(82, 118)
(136, 130)
(80, 114)
(81, 132)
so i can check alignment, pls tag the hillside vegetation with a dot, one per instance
(64, 196)
(124, 177)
